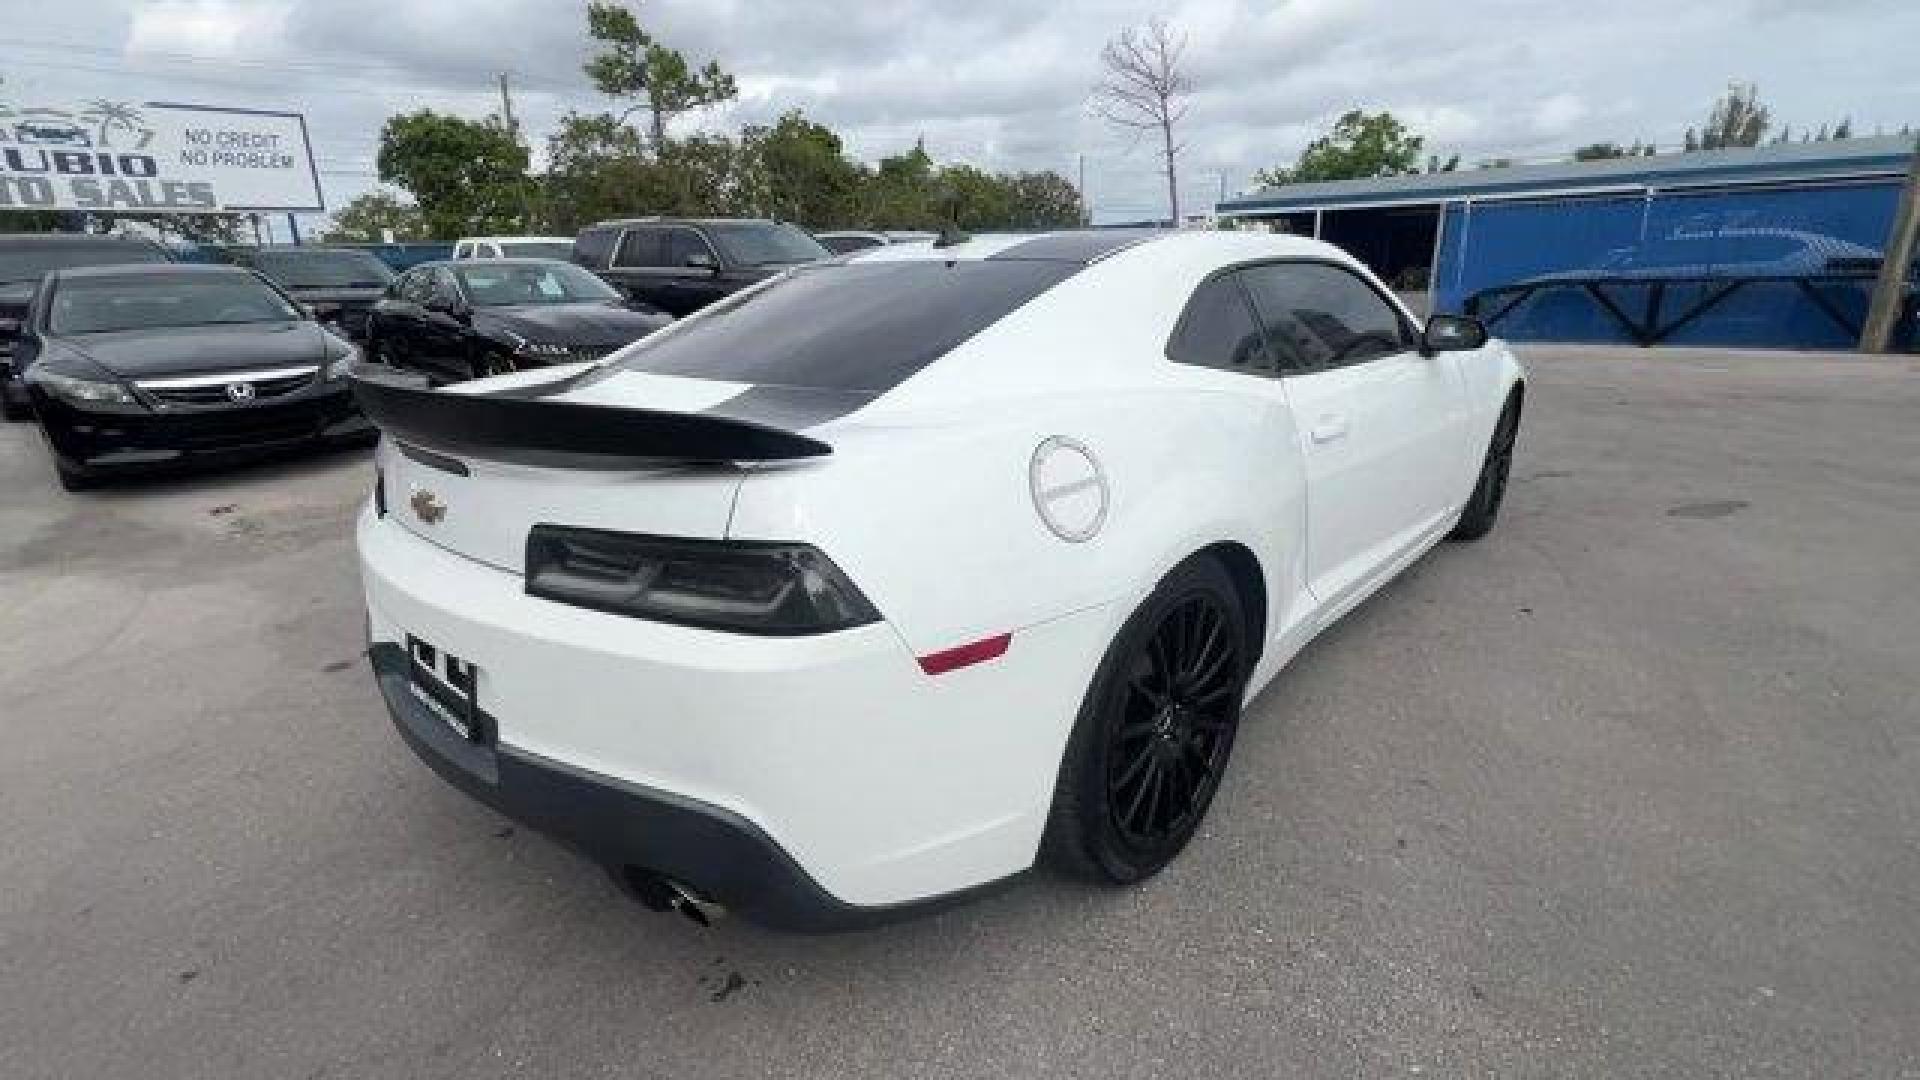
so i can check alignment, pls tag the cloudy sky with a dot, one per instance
(1003, 83)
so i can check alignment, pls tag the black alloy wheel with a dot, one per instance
(1177, 708)
(1156, 730)
(1483, 506)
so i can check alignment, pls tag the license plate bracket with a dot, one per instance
(450, 689)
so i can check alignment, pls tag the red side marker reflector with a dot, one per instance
(946, 660)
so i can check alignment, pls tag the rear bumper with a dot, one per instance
(621, 824)
(806, 782)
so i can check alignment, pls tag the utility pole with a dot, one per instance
(513, 131)
(506, 107)
(1890, 292)
(1086, 212)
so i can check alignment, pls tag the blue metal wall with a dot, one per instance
(1635, 240)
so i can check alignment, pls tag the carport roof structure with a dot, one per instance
(1782, 163)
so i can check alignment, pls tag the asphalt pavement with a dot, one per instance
(1630, 788)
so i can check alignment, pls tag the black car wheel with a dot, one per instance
(1490, 490)
(1156, 729)
(12, 409)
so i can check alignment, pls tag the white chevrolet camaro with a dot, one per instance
(873, 584)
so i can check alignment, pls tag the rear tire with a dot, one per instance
(13, 412)
(1154, 732)
(1483, 506)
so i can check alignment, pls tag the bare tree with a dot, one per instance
(1145, 89)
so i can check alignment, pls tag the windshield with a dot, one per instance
(764, 243)
(856, 327)
(537, 249)
(323, 269)
(34, 263)
(102, 305)
(500, 284)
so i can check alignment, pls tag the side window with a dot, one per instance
(1324, 316)
(683, 244)
(1217, 330)
(642, 249)
(592, 247)
(490, 251)
(463, 250)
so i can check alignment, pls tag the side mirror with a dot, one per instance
(1452, 333)
(701, 260)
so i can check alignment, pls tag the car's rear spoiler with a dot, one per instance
(529, 429)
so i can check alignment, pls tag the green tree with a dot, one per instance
(799, 173)
(1737, 119)
(969, 198)
(1045, 200)
(900, 194)
(597, 168)
(1360, 145)
(374, 215)
(633, 66)
(466, 176)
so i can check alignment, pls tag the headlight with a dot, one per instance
(92, 394)
(745, 587)
(339, 366)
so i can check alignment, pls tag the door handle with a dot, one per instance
(1329, 428)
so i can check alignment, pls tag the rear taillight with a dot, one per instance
(746, 587)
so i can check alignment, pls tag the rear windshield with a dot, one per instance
(489, 283)
(861, 328)
(102, 305)
(764, 243)
(537, 249)
(323, 269)
(33, 262)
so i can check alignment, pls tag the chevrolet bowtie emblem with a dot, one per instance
(428, 507)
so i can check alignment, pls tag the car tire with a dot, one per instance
(13, 411)
(1490, 490)
(1155, 731)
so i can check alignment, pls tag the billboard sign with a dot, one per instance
(155, 158)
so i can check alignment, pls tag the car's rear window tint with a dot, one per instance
(861, 328)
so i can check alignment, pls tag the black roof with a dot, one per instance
(150, 270)
(1080, 245)
(514, 260)
(616, 222)
(61, 240)
(287, 248)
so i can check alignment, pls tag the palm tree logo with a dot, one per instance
(112, 116)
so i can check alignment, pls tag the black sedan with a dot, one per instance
(134, 367)
(451, 321)
(339, 285)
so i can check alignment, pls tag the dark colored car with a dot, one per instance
(340, 285)
(135, 367)
(681, 265)
(462, 320)
(25, 258)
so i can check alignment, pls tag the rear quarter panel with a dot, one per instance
(937, 524)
